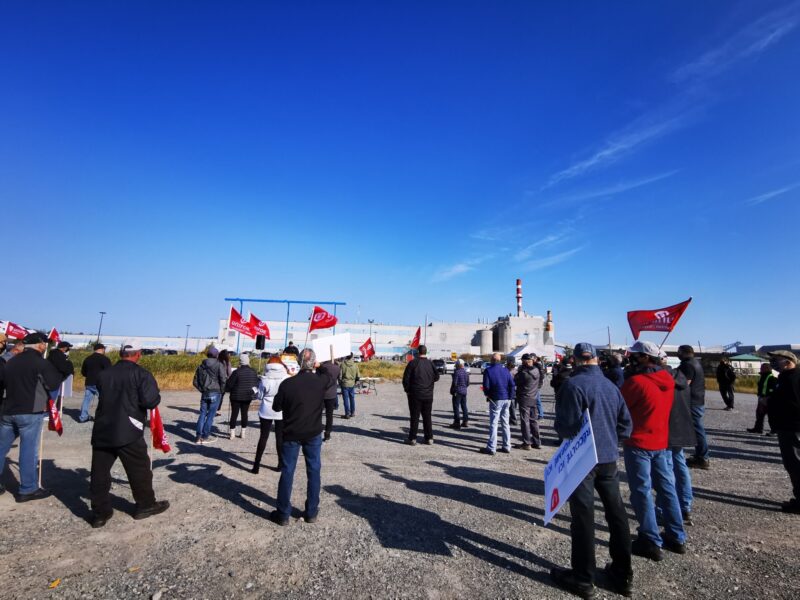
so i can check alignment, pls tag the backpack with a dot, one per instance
(203, 379)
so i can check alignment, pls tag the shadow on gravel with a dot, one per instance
(737, 500)
(72, 413)
(729, 452)
(181, 429)
(71, 488)
(405, 527)
(195, 411)
(216, 453)
(396, 437)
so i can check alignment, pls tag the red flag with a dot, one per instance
(15, 331)
(54, 419)
(321, 319)
(237, 323)
(53, 336)
(258, 327)
(367, 349)
(415, 342)
(660, 319)
(160, 441)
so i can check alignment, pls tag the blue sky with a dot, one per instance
(406, 158)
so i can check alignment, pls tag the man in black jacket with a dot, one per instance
(28, 380)
(127, 392)
(527, 381)
(726, 377)
(94, 364)
(59, 358)
(418, 380)
(692, 369)
(332, 370)
(301, 399)
(784, 418)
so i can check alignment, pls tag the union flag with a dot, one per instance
(415, 342)
(258, 327)
(237, 323)
(660, 319)
(321, 319)
(367, 349)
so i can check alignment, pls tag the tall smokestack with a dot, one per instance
(519, 297)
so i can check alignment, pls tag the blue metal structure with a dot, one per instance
(288, 304)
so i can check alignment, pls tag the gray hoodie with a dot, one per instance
(210, 377)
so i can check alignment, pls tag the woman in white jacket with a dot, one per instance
(274, 373)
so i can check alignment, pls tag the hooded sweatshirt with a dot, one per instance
(649, 395)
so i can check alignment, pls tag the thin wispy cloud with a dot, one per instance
(549, 261)
(770, 195)
(447, 273)
(610, 190)
(545, 242)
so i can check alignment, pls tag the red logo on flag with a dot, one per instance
(54, 419)
(160, 441)
(15, 331)
(321, 319)
(415, 342)
(53, 336)
(258, 327)
(237, 323)
(367, 349)
(554, 499)
(660, 319)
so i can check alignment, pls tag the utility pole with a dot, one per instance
(186, 343)
(370, 321)
(608, 327)
(426, 329)
(100, 328)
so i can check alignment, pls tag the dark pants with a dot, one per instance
(266, 427)
(761, 412)
(512, 416)
(137, 466)
(605, 479)
(701, 449)
(236, 407)
(420, 407)
(726, 391)
(789, 443)
(529, 424)
(460, 406)
(330, 404)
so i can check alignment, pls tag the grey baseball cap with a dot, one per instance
(643, 347)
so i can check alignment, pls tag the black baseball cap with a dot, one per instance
(34, 338)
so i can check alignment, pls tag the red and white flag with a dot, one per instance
(15, 331)
(54, 419)
(415, 342)
(258, 327)
(53, 336)
(660, 319)
(160, 441)
(367, 349)
(321, 319)
(237, 323)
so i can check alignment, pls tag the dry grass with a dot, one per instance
(745, 384)
(385, 369)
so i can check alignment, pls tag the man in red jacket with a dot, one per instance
(649, 394)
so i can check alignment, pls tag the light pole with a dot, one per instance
(100, 328)
(186, 343)
(370, 321)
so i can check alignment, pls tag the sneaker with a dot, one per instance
(308, 519)
(505, 450)
(699, 463)
(37, 495)
(792, 506)
(156, 509)
(754, 430)
(232, 434)
(646, 549)
(619, 584)
(199, 441)
(565, 579)
(276, 518)
(485, 450)
(523, 446)
(244, 431)
(464, 424)
(99, 520)
(209, 440)
(687, 518)
(429, 441)
(674, 546)
(410, 442)
(455, 425)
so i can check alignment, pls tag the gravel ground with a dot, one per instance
(439, 521)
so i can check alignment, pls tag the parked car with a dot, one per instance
(438, 364)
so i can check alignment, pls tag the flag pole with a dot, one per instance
(308, 330)
(61, 404)
(664, 340)
(41, 452)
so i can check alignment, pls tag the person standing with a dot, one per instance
(419, 377)
(695, 376)
(301, 399)
(274, 374)
(29, 379)
(94, 364)
(209, 379)
(649, 393)
(765, 388)
(588, 389)
(59, 358)
(11, 351)
(458, 390)
(527, 388)
(241, 387)
(537, 362)
(613, 370)
(332, 370)
(291, 349)
(512, 370)
(126, 391)
(565, 370)
(726, 377)
(498, 386)
(348, 375)
(681, 435)
(784, 418)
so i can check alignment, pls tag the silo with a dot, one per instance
(486, 341)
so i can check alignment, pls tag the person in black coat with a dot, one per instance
(418, 380)
(94, 364)
(127, 392)
(681, 435)
(725, 379)
(59, 358)
(241, 387)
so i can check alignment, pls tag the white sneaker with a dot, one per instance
(232, 433)
(244, 430)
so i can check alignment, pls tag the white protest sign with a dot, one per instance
(340, 344)
(67, 389)
(570, 465)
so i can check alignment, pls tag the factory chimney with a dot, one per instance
(519, 297)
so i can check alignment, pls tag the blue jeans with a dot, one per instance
(209, 403)
(311, 452)
(349, 399)
(460, 406)
(88, 395)
(701, 450)
(28, 428)
(648, 470)
(539, 408)
(683, 480)
(498, 414)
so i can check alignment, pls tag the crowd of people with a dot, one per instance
(653, 411)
